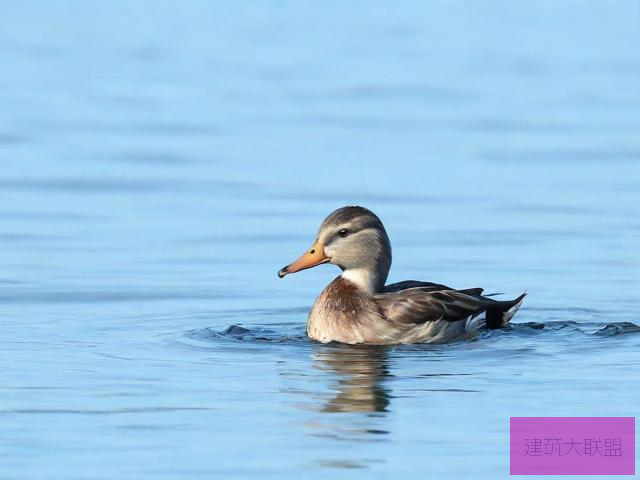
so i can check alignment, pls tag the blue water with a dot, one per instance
(162, 160)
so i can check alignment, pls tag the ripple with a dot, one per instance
(120, 184)
(115, 411)
(294, 333)
(54, 296)
(588, 328)
(619, 328)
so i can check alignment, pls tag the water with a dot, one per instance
(162, 161)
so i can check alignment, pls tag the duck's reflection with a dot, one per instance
(361, 373)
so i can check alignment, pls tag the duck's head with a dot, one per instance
(354, 239)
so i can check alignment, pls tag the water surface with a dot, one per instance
(161, 162)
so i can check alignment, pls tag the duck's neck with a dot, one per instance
(370, 280)
(370, 275)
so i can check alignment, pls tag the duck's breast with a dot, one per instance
(344, 313)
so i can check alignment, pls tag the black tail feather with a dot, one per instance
(498, 313)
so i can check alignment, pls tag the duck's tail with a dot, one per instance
(499, 314)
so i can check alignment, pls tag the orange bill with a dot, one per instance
(312, 257)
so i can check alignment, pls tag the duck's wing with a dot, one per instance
(427, 286)
(418, 305)
(396, 287)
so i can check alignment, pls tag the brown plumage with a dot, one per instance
(357, 307)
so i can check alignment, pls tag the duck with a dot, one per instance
(358, 307)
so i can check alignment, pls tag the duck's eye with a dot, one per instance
(343, 233)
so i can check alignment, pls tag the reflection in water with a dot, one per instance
(357, 399)
(361, 373)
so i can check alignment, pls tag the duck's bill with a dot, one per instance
(311, 258)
